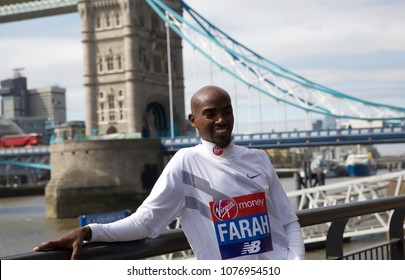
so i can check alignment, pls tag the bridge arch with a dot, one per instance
(156, 123)
(112, 130)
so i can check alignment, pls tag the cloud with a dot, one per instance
(353, 47)
(47, 62)
(44, 59)
(287, 31)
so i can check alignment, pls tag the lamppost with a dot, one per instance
(7, 178)
(169, 69)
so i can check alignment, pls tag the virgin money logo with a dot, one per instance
(225, 209)
(217, 151)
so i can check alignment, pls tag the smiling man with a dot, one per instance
(228, 198)
(212, 115)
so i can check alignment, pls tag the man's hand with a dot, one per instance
(72, 240)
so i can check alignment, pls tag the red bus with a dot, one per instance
(21, 140)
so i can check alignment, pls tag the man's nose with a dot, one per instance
(220, 119)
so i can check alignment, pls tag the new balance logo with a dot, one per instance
(251, 247)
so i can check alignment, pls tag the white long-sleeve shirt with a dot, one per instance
(230, 203)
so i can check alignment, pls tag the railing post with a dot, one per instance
(397, 231)
(334, 240)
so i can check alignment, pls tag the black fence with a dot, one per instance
(174, 240)
(338, 215)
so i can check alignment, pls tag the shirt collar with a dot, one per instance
(215, 151)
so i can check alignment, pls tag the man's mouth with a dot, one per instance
(220, 129)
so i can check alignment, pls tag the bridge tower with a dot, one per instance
(127, 91)
(126, 82)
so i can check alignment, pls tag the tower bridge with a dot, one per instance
(134, 83)
(261, 76)
(142, 101)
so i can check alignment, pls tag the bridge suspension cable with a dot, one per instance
(265, 76)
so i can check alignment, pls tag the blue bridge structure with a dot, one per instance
(311, 138)
(32, 157)
(38, 156)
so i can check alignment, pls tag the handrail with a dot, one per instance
(167, 242)
(175, 240)
(314, 216)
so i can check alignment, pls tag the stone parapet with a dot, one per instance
(97, 176)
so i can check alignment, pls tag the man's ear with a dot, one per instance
(191, 120)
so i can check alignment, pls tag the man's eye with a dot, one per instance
(209, 115)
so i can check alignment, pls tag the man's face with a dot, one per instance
(212, 115)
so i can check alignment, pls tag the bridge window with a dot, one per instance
(101, 95)
(120, 93)
(121, 115)
(117, 19)
(101, 106)
(157, 63)
(143, 58)
(100, 65)
(112, 117)
(107, 20)
(98, 22)
(110, 63)
(119, 62)
(111, 102)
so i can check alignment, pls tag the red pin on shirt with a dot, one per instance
(217, 151)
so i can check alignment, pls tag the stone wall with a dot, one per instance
(101, 176)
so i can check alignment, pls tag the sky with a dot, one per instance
(356, 47)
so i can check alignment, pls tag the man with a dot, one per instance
(228, 198)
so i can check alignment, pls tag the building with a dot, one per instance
(126, 69)
(48, 103)
(69, 131)
(34, 110)
(14, 93)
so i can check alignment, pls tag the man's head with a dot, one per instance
(212, 115)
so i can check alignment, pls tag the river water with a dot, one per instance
(24, 225)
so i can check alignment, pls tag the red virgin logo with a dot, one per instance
(225, 209)
(217, 151)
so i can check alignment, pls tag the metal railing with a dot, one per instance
(338, 215)
(359, 189)
(175, 240)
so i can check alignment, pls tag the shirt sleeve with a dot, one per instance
(127, 229)
(163, 205)
(280, 204)
(296, 247)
